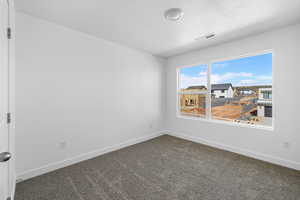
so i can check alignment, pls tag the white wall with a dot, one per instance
(258, 143)
(218, 93)
(87, 92)
(226, 94)
(229, 92)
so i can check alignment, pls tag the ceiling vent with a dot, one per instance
(207, 36)
(211, 35)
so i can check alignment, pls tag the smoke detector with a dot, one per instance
(174, 14)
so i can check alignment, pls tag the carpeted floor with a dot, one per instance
(165, 168)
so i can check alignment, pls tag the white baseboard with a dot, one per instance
(57, 165)
(259, 156)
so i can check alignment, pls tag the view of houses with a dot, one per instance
(245, 104)
(241, 90)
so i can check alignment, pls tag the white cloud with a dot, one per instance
(220, 65)
(227, 77)
(202, 73)
(256, 80)
(247, 82)
(236, 78)
(263, 77)
(186, 81)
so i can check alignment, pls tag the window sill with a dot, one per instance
(268, 128)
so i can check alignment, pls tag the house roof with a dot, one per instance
(201, 87)
(223, 86)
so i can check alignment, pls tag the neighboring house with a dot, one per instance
(192, 100)
(224, 90)
(264, 102)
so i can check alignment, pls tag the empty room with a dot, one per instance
(149, 100)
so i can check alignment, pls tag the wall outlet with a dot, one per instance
(151, 126)
(62, 145)
(286, 145)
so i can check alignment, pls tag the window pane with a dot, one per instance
(193, 79)
(192, 104)
(242, 90)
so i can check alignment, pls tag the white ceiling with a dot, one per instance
(140, 23)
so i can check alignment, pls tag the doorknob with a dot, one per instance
(5, 156)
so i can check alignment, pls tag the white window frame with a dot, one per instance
(208, 116)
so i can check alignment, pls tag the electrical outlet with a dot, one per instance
(62, 145)
(151, 126)
(286, 145)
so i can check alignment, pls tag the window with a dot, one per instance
(267, 95)
(240, 90)
(192, 91)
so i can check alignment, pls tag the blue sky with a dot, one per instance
(249, 71)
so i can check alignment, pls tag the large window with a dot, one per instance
(236, 90)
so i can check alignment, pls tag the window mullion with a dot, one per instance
(208, 96)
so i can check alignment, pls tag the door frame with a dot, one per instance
(11, 99)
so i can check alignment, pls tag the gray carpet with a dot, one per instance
(165, 168)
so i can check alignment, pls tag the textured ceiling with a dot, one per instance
(140, 23)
